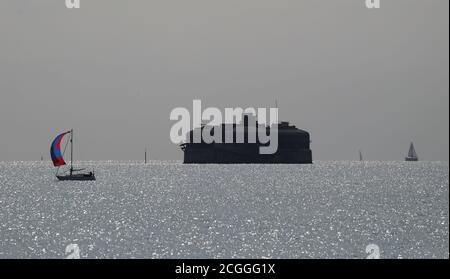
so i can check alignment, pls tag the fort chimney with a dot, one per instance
(246, 120)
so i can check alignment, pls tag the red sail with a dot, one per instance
(55, 151)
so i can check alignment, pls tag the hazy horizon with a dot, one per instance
(113, 70)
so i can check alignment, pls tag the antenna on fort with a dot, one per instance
(276, 106)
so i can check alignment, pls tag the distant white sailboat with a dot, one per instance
(412, 155)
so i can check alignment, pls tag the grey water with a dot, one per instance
(171, 210)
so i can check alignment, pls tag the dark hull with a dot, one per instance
(293, 146)
(244, 154)
(411, 159)
(76, 177)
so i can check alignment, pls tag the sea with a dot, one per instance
(165, 209)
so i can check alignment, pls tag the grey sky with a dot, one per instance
(113, 70)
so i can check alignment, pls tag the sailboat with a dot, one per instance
(360, 155)
(58, 160)
(412, 155)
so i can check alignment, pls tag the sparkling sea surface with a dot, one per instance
(171, 210)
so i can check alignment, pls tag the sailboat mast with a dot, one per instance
(71, 151)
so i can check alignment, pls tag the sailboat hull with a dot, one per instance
(411, 159)
(77, 177)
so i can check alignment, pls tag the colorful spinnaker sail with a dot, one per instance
(55, 151)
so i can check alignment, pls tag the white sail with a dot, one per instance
(412, 155)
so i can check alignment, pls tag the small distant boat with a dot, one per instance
(145, 156)
(412, 155)
(360, 155)
(58, 160)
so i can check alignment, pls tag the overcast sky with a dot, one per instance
(113, 70)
